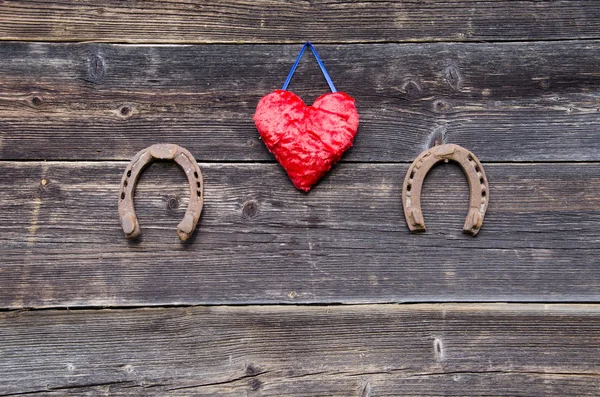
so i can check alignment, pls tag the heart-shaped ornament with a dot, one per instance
(306, 140)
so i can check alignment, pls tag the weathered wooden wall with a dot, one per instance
(370, 350)
(251, 306)
(505, 101)
(261, 241)
(269, 21)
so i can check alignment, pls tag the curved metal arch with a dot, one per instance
(413, 183)
(185, 160)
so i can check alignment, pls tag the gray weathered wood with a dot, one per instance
(372, 350)
(506, 102)
(261, 241)
(268, 21)
(522, 91)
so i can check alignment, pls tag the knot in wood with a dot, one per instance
(250, 209)
(172, 203)
(97, 69)
(125, 111)
(412, 89)
(441, 106)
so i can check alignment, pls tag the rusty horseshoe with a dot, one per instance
(478, 185)
(161, 151)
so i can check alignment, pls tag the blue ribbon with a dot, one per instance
(289, 78)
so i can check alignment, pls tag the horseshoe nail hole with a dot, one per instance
(36, 101)
(477, 168)
(483, 193)
(470, 158)
(197, 184)
(199, 193)
(128, 173)
(412, 174)
(481, 180)
(125, 183)
(408, 187)
(196, 174)
(126, 111)
(123, 196)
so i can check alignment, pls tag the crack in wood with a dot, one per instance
(220, 383)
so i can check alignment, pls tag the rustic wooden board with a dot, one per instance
(262, 241)
(268, 21)
(522, 91)
(371, 350)
(507, 102)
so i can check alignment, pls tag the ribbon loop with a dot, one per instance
(321, 65)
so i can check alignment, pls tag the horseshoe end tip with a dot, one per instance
(183, 236)
(473, 222)
(133, 236)
(130, 225)
(417, 228)
(470, 229)
(415, 220)
(185, 229)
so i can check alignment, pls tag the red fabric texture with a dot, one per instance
(306, 140)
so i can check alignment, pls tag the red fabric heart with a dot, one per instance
(306, 140)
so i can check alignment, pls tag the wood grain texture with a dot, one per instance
(268, 21)
(516, 82)
(372, 350)
(261, 241)
(506, 102)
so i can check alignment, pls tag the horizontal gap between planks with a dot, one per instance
(482, 304)
(200, 161)
(349, 42)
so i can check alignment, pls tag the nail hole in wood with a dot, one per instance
(126, 111)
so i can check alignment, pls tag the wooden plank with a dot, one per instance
(262, 241)
(506, 102)
(372, 350)
(268, 21)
